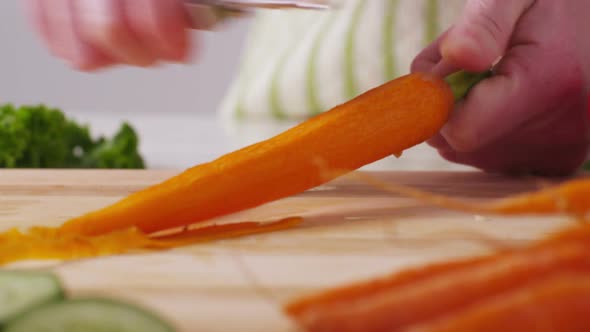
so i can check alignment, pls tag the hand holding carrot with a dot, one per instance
(532, 116)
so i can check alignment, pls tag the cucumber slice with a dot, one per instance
(21, 291)
(88, 315)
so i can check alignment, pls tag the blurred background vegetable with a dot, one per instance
(42, 137)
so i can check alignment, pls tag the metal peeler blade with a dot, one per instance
(236, 8)
(264, 4)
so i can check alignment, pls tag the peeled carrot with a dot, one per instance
(359, 291)
(558, 303)
(381, 122)
(444, 292)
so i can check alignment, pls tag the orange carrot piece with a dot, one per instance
(356, 291)
(381, 122)
(395, 308)
(359, 291)
(558, 303)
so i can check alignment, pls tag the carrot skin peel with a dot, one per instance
(558, 303)
(227, 231)
(568, 198)
(387, 120)
(572, 197)
(47, 243)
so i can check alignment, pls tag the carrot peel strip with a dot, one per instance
(43, 243)
(571, 198)
(227, 231)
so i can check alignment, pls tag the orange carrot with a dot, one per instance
(558, 303)
(381, 122)
(359, 291)
(356, 291)
(400, 306)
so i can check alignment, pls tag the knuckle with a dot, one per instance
(83, 64)
(490, 21)
(462, 140)
(112, 30)
(107, 32)
(147, 62)
(448, 155)
(572, 81)
(566, 165)
(563, 78)
(491, 27)
(417, 65)
(486, 26)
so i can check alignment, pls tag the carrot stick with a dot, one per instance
(356, 291)
(381, 122)
(558, 303)
(359, 291)
(400, 306)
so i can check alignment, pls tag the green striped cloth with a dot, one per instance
(300, 63)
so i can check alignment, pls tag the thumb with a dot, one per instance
(483, 32)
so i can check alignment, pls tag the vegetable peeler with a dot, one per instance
(222, 9)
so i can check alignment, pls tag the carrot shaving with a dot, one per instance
(42, 243)
(571, 197)
(227, 231)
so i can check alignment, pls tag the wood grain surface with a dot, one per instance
(351, 232)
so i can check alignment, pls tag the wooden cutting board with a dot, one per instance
(351, 232)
